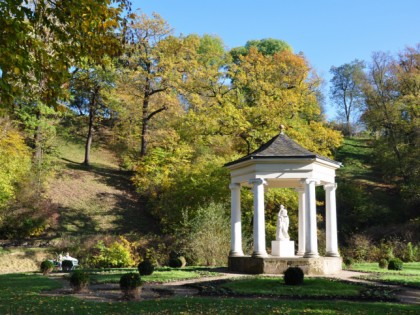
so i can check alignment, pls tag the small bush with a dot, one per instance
(348, 261)
(79, 280)
(66, 265)
(115, 255)
(293, 276)
(130, 284)
(383, 263)
(146, 268)
(395, 264)
(47, 266)
(177, 262)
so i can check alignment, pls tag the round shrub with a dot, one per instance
(348, 261)
(177, 262)
(47, 266)
(293, 276)
(395, 264)
(130, 284)
(383, 263)
(146, 268)
(66, 265)
(79, 280)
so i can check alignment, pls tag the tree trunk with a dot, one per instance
(38, 139)
(89, 136)
(144, 127)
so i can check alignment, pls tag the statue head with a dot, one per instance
(283, 211)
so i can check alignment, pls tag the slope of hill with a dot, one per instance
(95, 199)
(366, 203)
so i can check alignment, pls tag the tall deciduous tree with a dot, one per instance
(90, 86)
(392, 97)
(148, 68)
(346, 91)
(42, 40)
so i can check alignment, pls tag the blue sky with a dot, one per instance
(328, 32)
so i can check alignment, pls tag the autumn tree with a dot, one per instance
(392, 97)
(271, 90)
(41, 41)
(148, 68)
(14, 160)
(346, 92)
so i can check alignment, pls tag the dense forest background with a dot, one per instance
(114, 132)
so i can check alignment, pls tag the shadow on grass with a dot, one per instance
(130, 211)
(79, 222)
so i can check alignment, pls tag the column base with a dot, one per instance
(259, 254)
(300, 253)
(236, 253)
(332, 254)
(311, 255)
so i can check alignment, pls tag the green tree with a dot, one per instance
(346, 91)
(392, 97)
(90, 88)
(267, 46)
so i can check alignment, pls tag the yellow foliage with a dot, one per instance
(15, 160)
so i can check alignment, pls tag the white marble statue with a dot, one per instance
(282, 225)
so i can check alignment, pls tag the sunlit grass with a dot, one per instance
(409, 275)
(310, 287)
(20, 294)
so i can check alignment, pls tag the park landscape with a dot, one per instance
(114, 136)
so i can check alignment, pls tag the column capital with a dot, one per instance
(310, 181)
(257, 181)
(330, 186)
(234, 186)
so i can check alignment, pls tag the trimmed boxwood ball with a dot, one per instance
(66, 265)
(146, 268)
(348, 261)
(383, 263)
(293, 276)
(395, 264)
(130, 284)
(177, 262)
(79, 280)
(47, 266)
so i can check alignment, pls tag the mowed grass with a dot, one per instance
(314, 287)
(409, 268)
(160, 275)
(409, 275)
(20, 294)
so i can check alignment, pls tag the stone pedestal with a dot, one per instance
(283, 248)
(277, 265)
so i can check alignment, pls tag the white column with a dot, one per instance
(311, 244)
(235, 221)
(259, 220)
(331, 221)
(301, 226)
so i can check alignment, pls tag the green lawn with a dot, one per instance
(410, 275)
(160, 275)
(412, 268)
(19, 294)
(314, 287)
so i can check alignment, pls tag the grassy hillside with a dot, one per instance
(98, 199)
(366, 203)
